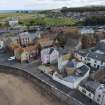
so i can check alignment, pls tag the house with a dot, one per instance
(81, 55)
(45, 42)
(27, 53)
(86, 30)
(49, 55)
(99, 34)
(93, 90)
(88, 41)
(63, 60)
(74, 72)
(94, 57)
(24, 39)
(91, 37)
(13, 23)
(11, 43)
(98, 75)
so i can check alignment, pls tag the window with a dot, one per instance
(84, 91)
(98, 99)
(94, 65)
(95, 61)
(99, 96)
(90, 94)
(88, 59)
(98, 66)
(102, 62)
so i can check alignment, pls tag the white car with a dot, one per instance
(11, 58)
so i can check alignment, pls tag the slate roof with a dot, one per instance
(101, 46)
(97, 56)
(90, 85)
(82, 53)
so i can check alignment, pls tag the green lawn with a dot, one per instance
(49, 21)
(37, 19)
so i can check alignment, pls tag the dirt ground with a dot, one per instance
(16, 90)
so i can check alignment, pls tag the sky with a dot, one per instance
(45, 4)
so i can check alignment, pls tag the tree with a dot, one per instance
(60, 39)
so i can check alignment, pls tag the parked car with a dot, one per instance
(12, 59)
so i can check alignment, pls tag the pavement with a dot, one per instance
(32, 68)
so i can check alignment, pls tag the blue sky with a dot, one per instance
(45, 4)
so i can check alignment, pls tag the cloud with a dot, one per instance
(46, 4)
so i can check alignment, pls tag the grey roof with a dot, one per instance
(90, 85)
(82, 53)
(97, 56)
(62, 51)
(101, 46)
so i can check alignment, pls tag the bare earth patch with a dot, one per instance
(16, 90)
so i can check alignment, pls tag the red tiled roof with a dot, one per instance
(29, 48)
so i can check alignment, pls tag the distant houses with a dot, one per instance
(13, 23)
(87, 31)
(23, 47)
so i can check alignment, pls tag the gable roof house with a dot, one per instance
(95, 58)
(25, 39)
(45, 42)
(27, 53)
(81, 55)
(49, 55)
(13, 23)
(99, 35)
(93, 90)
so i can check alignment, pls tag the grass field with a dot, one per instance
(20, 16)
(37, 19)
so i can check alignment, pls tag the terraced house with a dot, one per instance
(93, 57)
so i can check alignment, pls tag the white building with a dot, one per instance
(93, 90)
(13, 22)
(62, 61)
(95, 58)
(80, 55)
(25, 38)
(49, 55)
(77, 72)
(86, 31)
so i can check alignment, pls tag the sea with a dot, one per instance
(14, 11)
(7, 11)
